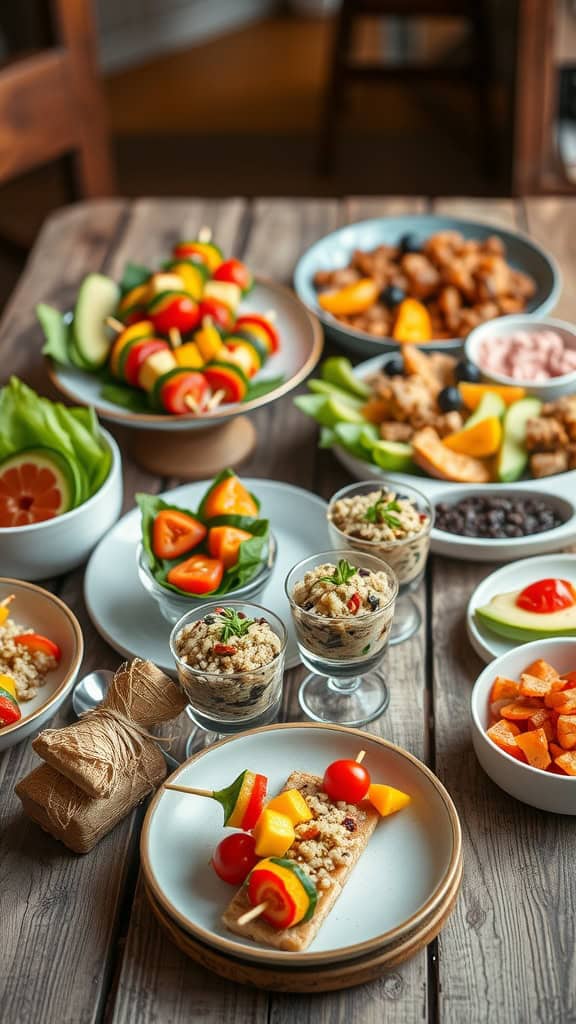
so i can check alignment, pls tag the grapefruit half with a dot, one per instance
(35, 484)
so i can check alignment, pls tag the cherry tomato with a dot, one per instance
(547, 596)
(234, 857)
(179, 387)
(220, 313)
(197, 575)
(346, 780)
(235, 272)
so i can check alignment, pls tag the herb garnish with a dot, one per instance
(233, 624)
(381, 512)
(344, 572)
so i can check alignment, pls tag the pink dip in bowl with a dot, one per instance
(527, 355)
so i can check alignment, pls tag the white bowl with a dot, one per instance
(503, 326)
(55, 546)
(532, 786)
(38, 609)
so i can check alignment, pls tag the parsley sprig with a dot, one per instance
(382, 512)
(343, 572)
(233, 625)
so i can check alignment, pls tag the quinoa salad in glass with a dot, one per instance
(229, 664)
(344, 612)
(384, 522)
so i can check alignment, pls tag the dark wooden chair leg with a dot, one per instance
(335, 88)
(488, 141)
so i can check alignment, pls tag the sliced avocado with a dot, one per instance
(394, 456)
(513, 457)
(490, 405)
(327, 438)
(328, 411)
(348, 436)
(97, 299)
(324, 387)
(338, 370)
(503, 616)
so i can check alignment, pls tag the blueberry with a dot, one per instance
(465, 370)
(392, 295)
(409, 243)
(450, 400)
(394, 367)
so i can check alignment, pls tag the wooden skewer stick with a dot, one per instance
(187, 789)
(270, 314)
(191, 403)
(253, 913)
(7, 600)
(205, 234)
(215, 400)
(175, 337)
(360, 757)
(115, 324)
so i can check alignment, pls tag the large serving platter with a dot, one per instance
(410, 865)
(489, 645)
(560, 489)
(334, 251)
(128, 618)
(301, 346)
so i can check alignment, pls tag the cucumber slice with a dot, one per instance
(490, 405)
(97, 300)
(513, 457)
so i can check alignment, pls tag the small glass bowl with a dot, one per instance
(227, 703)
(173, 606)
(407, 557)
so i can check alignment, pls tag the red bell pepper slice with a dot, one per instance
(38, 644)
(197, 575)
(174, 533)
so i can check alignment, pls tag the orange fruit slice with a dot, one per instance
(35, 484)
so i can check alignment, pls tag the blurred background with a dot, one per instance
(263, 97)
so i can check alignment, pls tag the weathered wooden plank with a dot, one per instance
(487, 211)
(507, 952)
(551, 222)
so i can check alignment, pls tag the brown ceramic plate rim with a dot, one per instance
(346, 952)
(9, 581)
(224, 412)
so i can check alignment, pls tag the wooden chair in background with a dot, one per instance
(51, 104)
(345, 70)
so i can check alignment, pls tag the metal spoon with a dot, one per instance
(90, 692)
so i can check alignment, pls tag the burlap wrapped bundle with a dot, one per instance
(78, 820)
(96, 752)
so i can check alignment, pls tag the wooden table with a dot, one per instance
(78, 942)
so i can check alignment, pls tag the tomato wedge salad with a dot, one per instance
(211, 550)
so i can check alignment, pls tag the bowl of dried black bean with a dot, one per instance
(499, 524)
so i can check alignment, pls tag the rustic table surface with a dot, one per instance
(78, 942)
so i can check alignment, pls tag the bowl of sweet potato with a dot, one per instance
(523, 711)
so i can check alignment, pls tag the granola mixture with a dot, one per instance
(462, 281)
(388, 525)
(330, 840)
(28, 669)
(343, 621)
(243, 672)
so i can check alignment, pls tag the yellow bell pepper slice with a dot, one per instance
(292, 804)
(188, 355)
(354, 298)
(273, 834)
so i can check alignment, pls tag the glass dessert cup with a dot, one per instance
(226, 703)
(407, 557)
(346, 685)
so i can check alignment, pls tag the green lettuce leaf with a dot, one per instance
(56, 333)
(258, 388)
(134, 275)
(126, 397)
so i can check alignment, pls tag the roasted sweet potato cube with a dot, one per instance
(541, 720)
(517, 712)
(566, 730)
(564, 702)
(567, 762)
(504, 734)
(541, 669)
(533, 686)
(569, 680)
(535, 746)
(555, 749)
(504, 688)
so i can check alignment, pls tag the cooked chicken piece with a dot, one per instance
(443, 366)
(510, 304)
(450, 301)
(392, 431)
(467, 321)
(548, 463)
(493, 245)
(487, 310)
(460, 276)
(411, 398)
(448, 423)
(521, 284)
(423, 278)
(545, 434)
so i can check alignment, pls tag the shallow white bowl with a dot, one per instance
(57, 545)
(540, 789)
(38, 609)
(504, 326)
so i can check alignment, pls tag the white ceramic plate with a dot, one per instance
(301, 346)
(489, 645)
(128, 618)
(405, 871)
(38, 609)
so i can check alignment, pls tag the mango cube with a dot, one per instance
(292, 804)
(273, 834)
(386, 799)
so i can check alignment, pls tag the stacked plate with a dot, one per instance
(397, 899)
